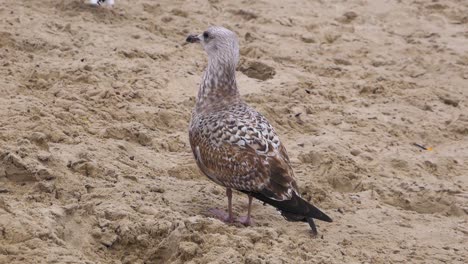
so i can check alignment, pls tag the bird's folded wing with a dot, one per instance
(254, 165)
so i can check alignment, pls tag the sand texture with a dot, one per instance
(95, 165)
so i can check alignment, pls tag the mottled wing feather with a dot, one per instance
(281, 177)
(238, 148)
(240, 170)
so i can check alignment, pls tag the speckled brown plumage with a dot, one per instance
(233, 144)
(236, 147)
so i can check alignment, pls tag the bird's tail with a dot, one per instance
(295, 209)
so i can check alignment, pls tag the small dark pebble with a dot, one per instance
(350, 15)
(132, 157)
(449, 101)
(157, 189)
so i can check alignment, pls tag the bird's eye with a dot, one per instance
(206, 35)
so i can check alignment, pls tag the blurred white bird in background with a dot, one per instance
(102, 2)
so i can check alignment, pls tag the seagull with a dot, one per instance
(100, 2)
(234, 145)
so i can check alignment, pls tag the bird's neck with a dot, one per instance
(218, 86)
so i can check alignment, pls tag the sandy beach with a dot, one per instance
(95, 163)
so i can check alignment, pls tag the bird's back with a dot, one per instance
(237, 147)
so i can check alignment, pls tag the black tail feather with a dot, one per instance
(295, 209)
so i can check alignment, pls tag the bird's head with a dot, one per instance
(220, 44)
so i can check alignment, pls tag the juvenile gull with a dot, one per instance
(234, 145)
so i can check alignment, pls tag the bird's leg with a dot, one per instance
(222, 215)
(312, 227)
(245, 220)
(229, 196)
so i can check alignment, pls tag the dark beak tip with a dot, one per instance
(192, 39)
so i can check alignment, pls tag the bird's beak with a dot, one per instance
(193, 39)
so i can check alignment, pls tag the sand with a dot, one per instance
(95, 165)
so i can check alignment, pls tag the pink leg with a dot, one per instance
(245, 220)
(229, 196)
(222, 215)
